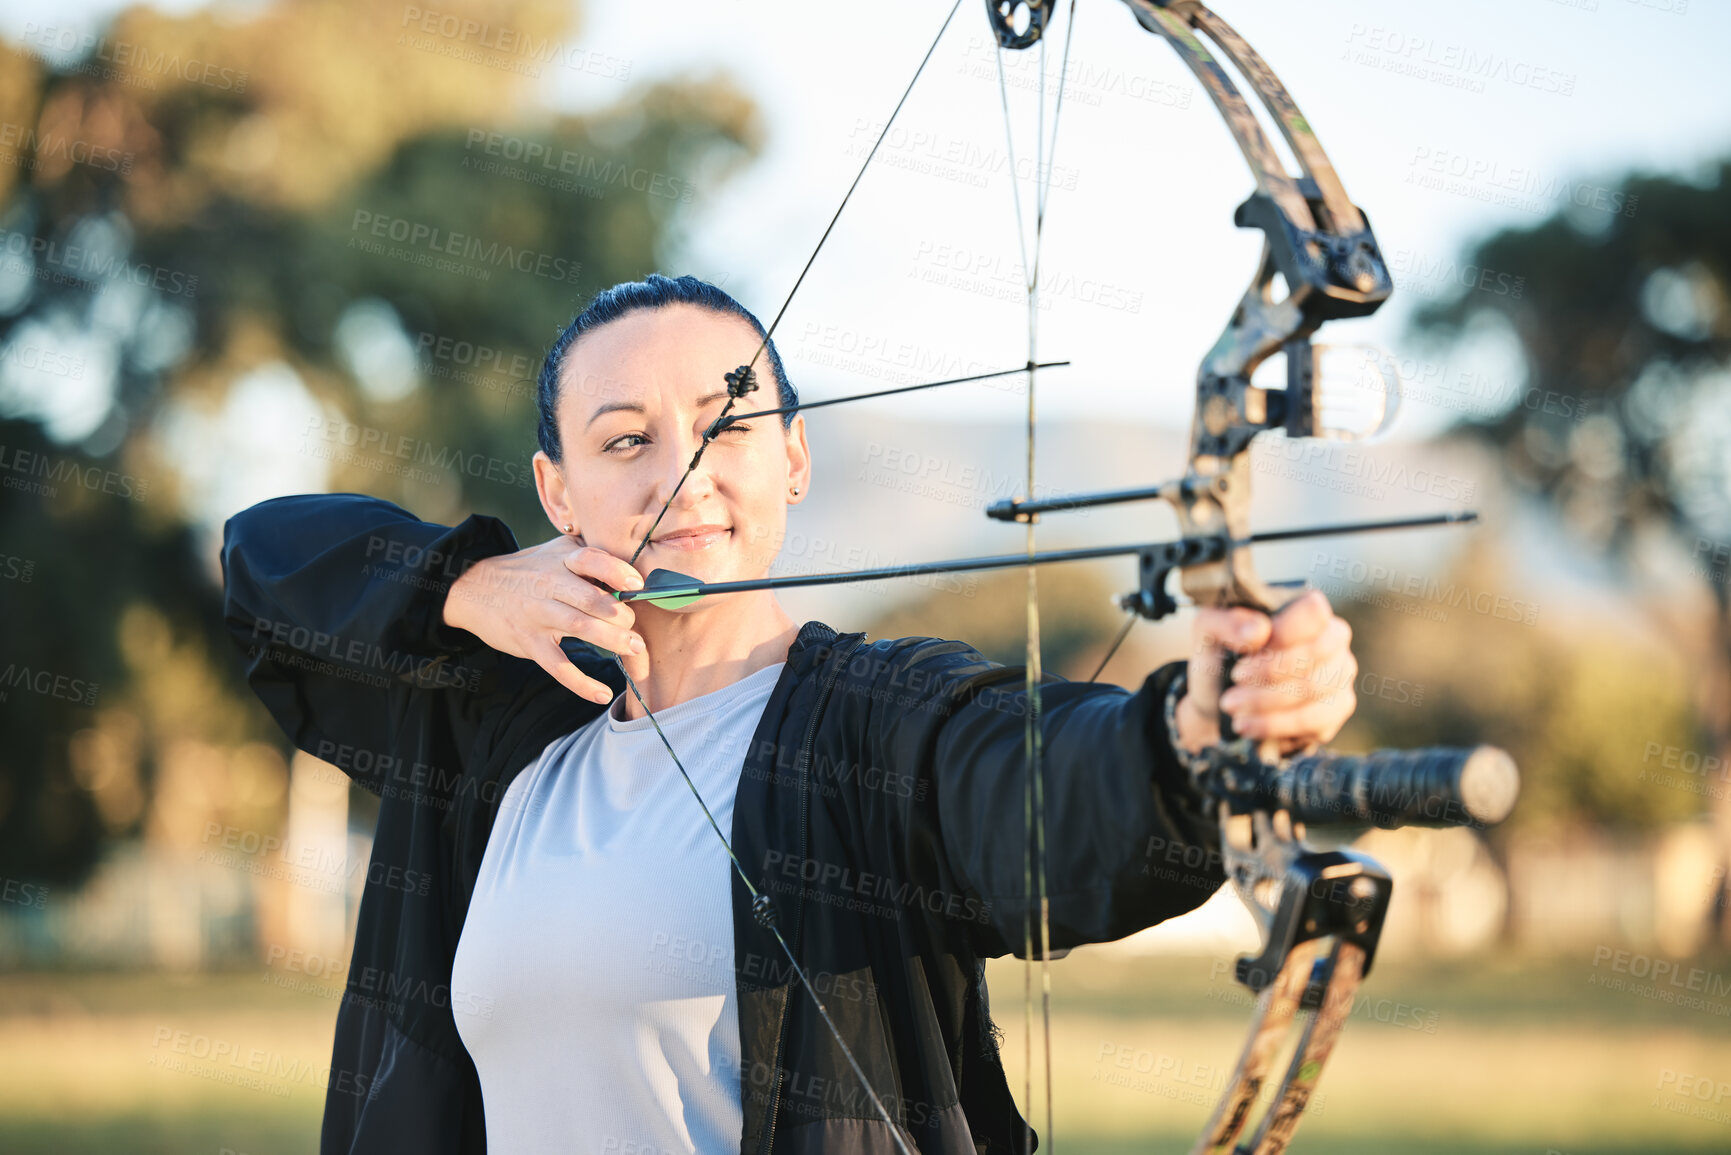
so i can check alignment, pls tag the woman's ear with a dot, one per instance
(550, 488)
(798, 461)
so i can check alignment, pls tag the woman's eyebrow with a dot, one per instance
(613, 407)
(703, 402)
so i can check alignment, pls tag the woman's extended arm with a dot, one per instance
(336, 601)
(1128, 842)
(1119, 807)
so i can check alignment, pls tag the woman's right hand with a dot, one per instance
(522, 603)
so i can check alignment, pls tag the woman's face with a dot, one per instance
(635, 397)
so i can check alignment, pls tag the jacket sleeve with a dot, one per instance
(1128, 842)
(336, 602)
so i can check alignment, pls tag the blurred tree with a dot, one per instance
(1447, 664)
(349, 212)
(1622, 424)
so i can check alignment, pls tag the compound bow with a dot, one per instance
(1320, 912)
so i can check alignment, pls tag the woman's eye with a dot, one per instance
(736, 428)
(625, 441)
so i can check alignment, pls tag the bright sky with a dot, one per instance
(1445, 121)
(1508, 105)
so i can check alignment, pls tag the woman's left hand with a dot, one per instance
(1293, 681)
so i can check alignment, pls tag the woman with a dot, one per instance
(553, 951)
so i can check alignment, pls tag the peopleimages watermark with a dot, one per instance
(461, 37)
(1454, 65)
(537, 164)
(1688, 770)
(1354, 472)
(446, 251)
(1389, 1012)
(941, 478)
(361, 659)
(1169, 1076)
(129, 61)
(60, 263)
(892, 361)
(34, 472)
(987, 274)
(248, 1067)
(1711, 560)
(383, 989)
(1467, 390)
(46, 684)
(1422, 274)
(43, 359)
(1519, 187)
(716, 965)
(951, 158)
(392, 448)
(471, 363)
(1690, 1093)
(310, 866)
(1084, 81)
(18, 893)
(1666, 980)
(29, 149)
(835, 884)
(1340, 576)
(796, 554)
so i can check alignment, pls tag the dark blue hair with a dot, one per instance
(653, 292)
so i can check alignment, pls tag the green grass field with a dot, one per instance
(1524, 1058)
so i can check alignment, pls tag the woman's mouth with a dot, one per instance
(695, 538)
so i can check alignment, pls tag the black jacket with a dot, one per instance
(880, 804)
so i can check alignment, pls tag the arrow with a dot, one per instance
(672, 590)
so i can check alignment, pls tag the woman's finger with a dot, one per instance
(551, 658)
(1299, 660)
(615, 638)
(568, 591)
(615, 573)
(1234, 628)
(1324, 682)
(1300, 620)
(1312, 723)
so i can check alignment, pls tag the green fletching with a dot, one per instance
(668, 599)
(668, 589)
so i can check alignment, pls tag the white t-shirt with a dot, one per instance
(600, 939)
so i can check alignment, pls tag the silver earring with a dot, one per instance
(796, 491)
(567, 527)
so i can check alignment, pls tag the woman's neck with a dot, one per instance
(692, 654)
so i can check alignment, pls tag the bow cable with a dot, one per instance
(1034, 795)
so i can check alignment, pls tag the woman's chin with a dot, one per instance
(717, 563)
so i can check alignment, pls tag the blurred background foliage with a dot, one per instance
(185, 237)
